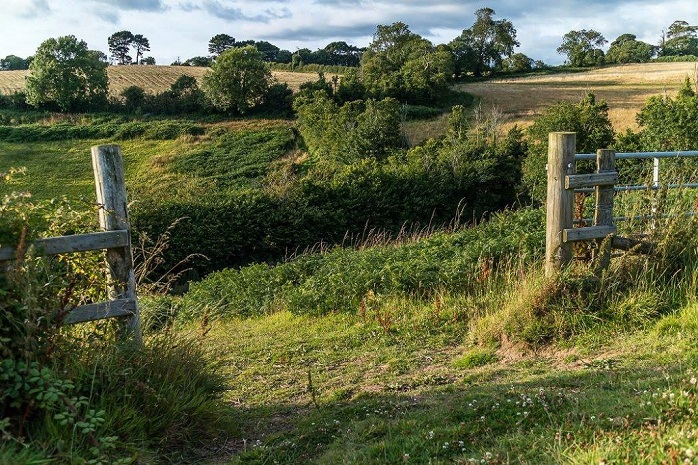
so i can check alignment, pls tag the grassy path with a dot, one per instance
(340, 389)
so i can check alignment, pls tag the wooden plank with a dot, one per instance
(586, 234)
(74, 243)
(108, 168)
(100, 311)
(633, 245)
(579, 181)
(559, 201)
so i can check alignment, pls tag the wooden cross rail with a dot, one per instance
(562, 181)
(107, 163)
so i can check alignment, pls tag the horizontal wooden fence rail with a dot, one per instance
(563, 183)
(107, 163)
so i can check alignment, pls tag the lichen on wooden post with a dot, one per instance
(107, 163)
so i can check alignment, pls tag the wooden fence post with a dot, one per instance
(559, 201)
(603, 213)
(107, 163)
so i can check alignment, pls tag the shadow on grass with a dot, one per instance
(549, 417)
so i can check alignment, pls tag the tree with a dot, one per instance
(627, 49)
(66, 73)
(517, 63)
(405, 66)
(204, 62)
(238, 79)
(148, 61)
(13, 62)
(482, 48)
(220, 43)
(140, 44)
(583, 48)
(343, 54)
(588, 118)
(120, 45)
(681, 39)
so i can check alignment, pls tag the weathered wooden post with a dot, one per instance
(107, 163)
(559, 201)
(603, 213)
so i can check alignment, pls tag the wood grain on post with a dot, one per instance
(559, 201)
(107, 163)
(603, 215)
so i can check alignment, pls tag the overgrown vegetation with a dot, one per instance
(57, 396)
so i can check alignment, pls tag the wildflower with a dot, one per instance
(690, 453)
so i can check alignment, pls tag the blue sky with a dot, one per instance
(182, 28)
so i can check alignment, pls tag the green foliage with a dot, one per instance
(583, 48)
(13, 62)
(238, 79)
(676, 59)
(76, 395)
(517, 63)
(355, 130)
(153, 130)
(588, 118)
(66, 74)
(483, 47)
(405, 66)
(236, 159)
(342, 279)
(668, 123)
(627, 49)
(681, 39)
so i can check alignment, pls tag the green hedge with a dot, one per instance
(340, 279)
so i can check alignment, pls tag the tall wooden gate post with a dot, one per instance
(559, 201)
(107, 163)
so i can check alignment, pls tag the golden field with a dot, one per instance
(153, 79)
(624, 87)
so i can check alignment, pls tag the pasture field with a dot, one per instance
(153, 79)
(624, 87)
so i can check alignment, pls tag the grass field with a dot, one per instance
(153, 79)
(625, 88)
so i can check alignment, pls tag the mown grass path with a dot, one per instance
(342, 389)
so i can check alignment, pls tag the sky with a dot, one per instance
(181, 29)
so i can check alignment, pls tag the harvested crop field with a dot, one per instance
(625, 88)
(153, 79)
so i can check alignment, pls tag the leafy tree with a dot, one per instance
(148, 61)
(670, 123)
(681, 39)
(120, 46)
(583, 48)
(342, 54)
(482, 48)
(140, 44)
(403, 65)
(65, 72)
(517, 63)
(220, 43)
(238, 79)
(204, 62)
(269, 50)
(13, 62)
(349, 132)
(588, 118)
(134, 98)
(627, 49)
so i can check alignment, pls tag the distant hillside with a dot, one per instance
(624, 87)
(153, 79)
